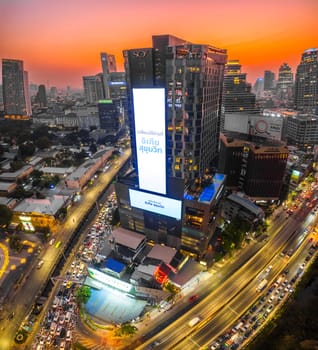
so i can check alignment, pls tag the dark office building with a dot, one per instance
(118, 91)
(269, 78)
(40, 97)
(237, 95)
(306, 82)
(110, 118)
(253, 165)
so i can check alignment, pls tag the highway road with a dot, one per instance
(225, 304)
(25, 296)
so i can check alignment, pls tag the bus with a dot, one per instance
(261, 286)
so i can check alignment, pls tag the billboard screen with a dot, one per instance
(156, 204)
(269, 127)
(150, 125)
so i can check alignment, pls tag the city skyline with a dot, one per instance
(61, 42)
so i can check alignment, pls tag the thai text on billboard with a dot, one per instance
(156, 204)
(149, 112)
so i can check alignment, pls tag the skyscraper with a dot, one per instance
(16, 96)
(40, 97)
(285, 82)
(306, 82)
(237, 95)
(93, 88)
(174, 106)
(269, 78)
(192, 76)
(108, 66)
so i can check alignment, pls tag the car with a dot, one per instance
(269, 268)
(193, 298)
(154, 344)
(269, 308)
(40, 264)
(215, 345)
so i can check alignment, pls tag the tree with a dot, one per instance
(43, 142)
(82, 294)
(5, 215)
(26, 150)
(126, 329)
(36, 174)
(40, 131)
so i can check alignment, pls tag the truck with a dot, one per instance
(262, 285)
(194, 321)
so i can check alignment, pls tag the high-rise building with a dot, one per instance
(192, 76)
(110, 118)
(285, 82)
(237, 95)
(269, 78)
(254, 165)
(93, 88)
(302, 130)
(16, 96)
(174, 106)
(108, 67)
(306, 82)
(40, 97)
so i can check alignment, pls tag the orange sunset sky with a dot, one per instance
(60, 41)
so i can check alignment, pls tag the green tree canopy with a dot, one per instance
(5, 215)
(26, 150)
(126, 329)
(43, 142)
(82, 294)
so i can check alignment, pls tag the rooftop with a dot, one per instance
(205, 190)
(128, 238)
(246, 203)
(48, 206)
(162, 253)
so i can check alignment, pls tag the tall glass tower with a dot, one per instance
(16, 97)
(306, 82)
(192, 76)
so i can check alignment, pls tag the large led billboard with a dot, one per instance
(150, 126)
(156, 204)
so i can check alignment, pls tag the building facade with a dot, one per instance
(254, 165)
(108, 66)
(237, 95)
(191, 78)
(16, 96)
(110, 118)
(269, 78)
(302, 131)
(306, 82)
(93, 88)
(285, 83)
